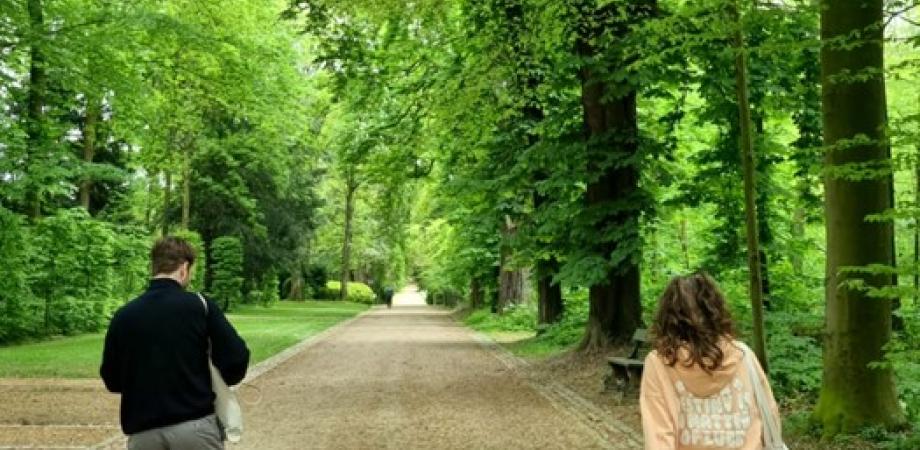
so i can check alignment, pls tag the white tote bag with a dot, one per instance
(226, 405)
(772, 436)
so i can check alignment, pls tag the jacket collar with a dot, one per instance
(164, 283)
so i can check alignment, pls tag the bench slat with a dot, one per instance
(627, 362)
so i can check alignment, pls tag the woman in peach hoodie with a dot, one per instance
(697, 392)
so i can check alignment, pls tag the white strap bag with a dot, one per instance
(226, 405)
(772, 436)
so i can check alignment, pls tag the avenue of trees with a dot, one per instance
(552, 160)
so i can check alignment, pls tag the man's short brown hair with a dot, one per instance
(169, 253)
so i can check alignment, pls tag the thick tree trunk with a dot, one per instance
(529, 77)
(853, 395)
(549, 293)
(92, 117)
(35, 105)
(476, 295)
(510, 280)
(612, 132)
(351, 187)
(750, 192)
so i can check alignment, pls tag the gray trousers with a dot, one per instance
(203, 433)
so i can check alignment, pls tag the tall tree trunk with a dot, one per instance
(797, 229)
(476, 294)
(549, 293)
(148, 209)
(750, 190)
(93, 115)
(167, 194)
(351, 187)
(612, 133)
(35, 114)
(853, 395)
(761, 197)
(186, 185)
(684, 242)
(510, 280)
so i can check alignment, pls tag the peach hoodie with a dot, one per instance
(688, 409)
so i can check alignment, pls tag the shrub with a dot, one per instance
(269, 294)
(521, 317)
(446, 296)
(330, 291)
(226, 263)
(357, 292)
(74, 273)
(132, 259)
(19, 317)
(795, 357)
(315, 277)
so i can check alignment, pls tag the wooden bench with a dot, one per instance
(626, 372)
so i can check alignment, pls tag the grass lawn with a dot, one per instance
(267, 331)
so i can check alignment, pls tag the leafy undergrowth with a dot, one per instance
(517, 328)
(267, 331)
(802, 434)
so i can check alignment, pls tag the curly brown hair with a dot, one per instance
(692, 315)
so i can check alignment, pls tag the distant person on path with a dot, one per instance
(156, 357)
(388, 296)
(697, 391)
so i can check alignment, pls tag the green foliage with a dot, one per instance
(85, 270)
(315, 277)
(516, 318)
(74, 274)
(795, 359)
(547, 340)
(132, 261)
(267, 293)
(357, 292)
(226, 265)
(19, 316)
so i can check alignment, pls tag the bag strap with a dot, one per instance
(203, 303)
(771, 433)
(206, 313)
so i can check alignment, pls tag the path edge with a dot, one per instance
(564, 398)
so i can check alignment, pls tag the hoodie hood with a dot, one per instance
(702, 384)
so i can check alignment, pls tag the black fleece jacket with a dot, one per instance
(156, 356)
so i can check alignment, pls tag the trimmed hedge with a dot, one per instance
(227, 268)
(66, 274)
(357, 292)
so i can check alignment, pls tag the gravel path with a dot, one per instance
(410, 378)
(403, 378)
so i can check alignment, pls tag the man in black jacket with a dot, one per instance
(156, 357)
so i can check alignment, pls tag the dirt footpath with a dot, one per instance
(412, 378)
